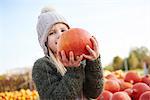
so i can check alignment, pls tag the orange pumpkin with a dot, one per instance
(120, 96)
(138, 89)
(132, 77)
(75, 39)
(105, 95)
(112, 86)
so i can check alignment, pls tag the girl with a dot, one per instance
(59, 78)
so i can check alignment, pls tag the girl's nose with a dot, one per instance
(58, 35)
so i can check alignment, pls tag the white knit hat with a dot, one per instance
(46, 20)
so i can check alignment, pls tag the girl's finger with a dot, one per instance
(79, 58)
(89, 50)
(96, 42)
(95, 45)
(95, 39)
(71, 56)
(64, 58)
(87, 57)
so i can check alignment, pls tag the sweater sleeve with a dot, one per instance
(52, 86)
(93, 84)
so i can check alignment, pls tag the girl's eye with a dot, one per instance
(63, 30)
(51, 33)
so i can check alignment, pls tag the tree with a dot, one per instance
(140, 53)
(117, 63)
(133, 61)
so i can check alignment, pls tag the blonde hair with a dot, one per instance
(60, 67)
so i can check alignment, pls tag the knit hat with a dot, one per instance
(46, 20)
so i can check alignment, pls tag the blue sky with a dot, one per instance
(118, 25)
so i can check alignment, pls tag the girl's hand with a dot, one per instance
(71, 61)
(93, 53)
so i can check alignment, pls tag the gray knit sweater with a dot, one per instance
(85, 80)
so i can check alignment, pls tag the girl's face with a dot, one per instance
(54, 35)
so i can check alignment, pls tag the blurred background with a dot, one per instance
(122, 28)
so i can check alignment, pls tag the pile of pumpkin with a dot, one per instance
(20, 95)
(125, 86)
